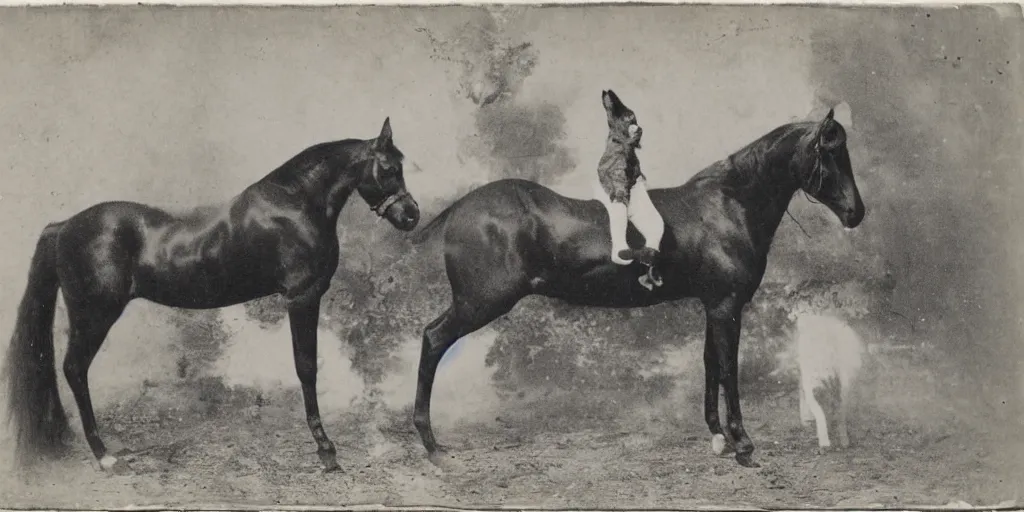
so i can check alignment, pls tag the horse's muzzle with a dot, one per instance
(400, 209)
(404, 214)
(851, 217)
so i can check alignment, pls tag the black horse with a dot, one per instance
(279, 235)
(513, 238)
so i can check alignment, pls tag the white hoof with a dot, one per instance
(107, 462)
(619, 261)
(718, 444)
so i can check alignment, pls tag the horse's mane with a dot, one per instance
(749, 165)
(304, 170)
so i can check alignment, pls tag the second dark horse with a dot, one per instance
(513, 238)
(279, 235)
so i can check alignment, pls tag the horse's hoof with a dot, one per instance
(329, 459)
(437, 452)
(438, 449)
(718, 444)
(107, 462)
(114, 465)
(446, 462)
(441, 459)
(746, 460)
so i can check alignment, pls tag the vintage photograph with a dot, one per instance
(592, 256)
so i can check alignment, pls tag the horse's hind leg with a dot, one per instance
(438, 337)
(90, 321)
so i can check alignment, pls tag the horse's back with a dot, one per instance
(133, 224)
(125, 214)
(116, 219)
(555, 222)
(516, 195)
(126, 248)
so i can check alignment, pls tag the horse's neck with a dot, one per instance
(321, 187)
(767, 197)
(339, 190)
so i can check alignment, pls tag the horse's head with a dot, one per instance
(382, 184)
(622, 124)
(826, 174)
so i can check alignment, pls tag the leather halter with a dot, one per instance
(381, 208)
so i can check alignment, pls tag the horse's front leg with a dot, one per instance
(711, 387)
(724, 322)
(303, 317)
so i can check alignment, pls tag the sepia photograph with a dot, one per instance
(669, 256)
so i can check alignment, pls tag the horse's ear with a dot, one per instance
(384, 139)
(823, 128)
(830, 134)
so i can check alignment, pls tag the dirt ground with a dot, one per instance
(554, 451)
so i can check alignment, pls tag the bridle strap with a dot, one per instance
(381, 208)
(818, 172)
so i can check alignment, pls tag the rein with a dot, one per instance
(819, 173)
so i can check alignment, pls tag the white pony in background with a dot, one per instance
(828, 354)
(828, 349)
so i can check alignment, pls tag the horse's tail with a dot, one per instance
(33, 405)
(424, 234)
